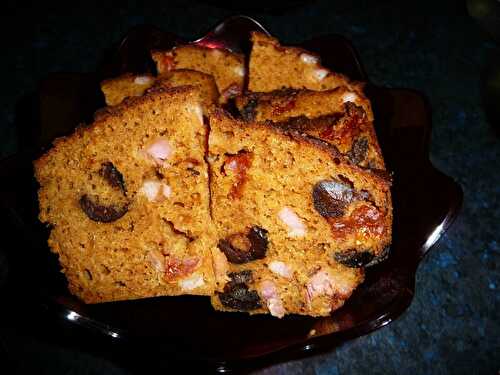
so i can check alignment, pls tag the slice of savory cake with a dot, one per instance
(280, 105)
(209, 94)
(227, 67)
(273, 67)
(127, 200)
(294, 220)
(118, 88)
(340, 116)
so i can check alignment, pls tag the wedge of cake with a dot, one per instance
(227, 67)
(294, 219)
(115, 90)
(118, 88)
(127, 201)
(339, 116)
(280, 105)
(273, 67)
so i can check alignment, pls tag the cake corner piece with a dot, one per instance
(295, 224)
(127, 200)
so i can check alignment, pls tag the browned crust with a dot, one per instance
(305, 124)
(275, 94)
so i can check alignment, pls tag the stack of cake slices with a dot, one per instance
(276, 209)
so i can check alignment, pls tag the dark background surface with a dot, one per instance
(436, 47)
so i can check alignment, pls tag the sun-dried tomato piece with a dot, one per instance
(238, 164)
(348, 126)
(369, 220)
(365, 221)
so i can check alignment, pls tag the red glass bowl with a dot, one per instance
(425, 203)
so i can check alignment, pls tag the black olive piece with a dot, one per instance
(103, 214)
(354, 259)
(248, 111)
(242, 277)
(237, 296)
(305, 124)
(381, 257)
(257, 241)
(112, 176)
(357, 153)
(331, 197)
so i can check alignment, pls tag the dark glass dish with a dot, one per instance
(425, 203)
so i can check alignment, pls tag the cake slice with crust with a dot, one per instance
(339, 116)
(127, 200)
(274, 67)
(227, 67)
(294, 219)
(116, 89)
